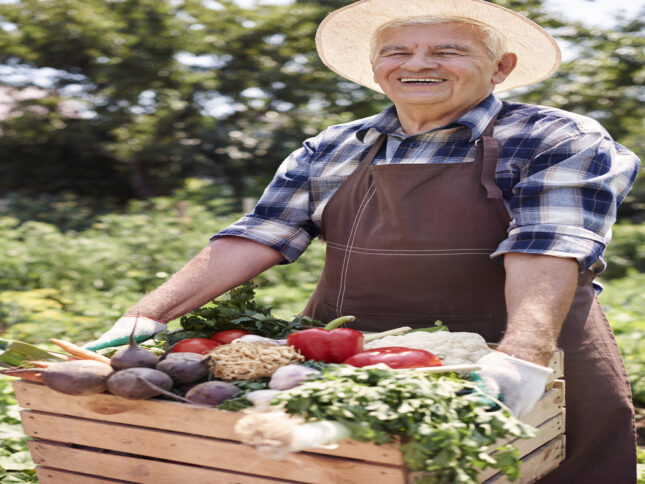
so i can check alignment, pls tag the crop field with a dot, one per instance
(64, 275)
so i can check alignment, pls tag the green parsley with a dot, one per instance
(445, 428)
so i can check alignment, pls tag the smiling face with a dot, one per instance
(445, 67)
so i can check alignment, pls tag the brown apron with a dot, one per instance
(409, 244)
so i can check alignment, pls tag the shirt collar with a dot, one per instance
(475, 120)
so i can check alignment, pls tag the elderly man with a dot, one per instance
(451, 204)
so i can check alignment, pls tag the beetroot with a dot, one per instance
(77, 377)
(139, 383)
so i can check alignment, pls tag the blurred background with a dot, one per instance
(132, 130)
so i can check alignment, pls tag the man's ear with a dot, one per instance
(504, 67)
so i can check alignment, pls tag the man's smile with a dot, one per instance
(421, 80)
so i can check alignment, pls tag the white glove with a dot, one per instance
(119, 334)
(519, 382)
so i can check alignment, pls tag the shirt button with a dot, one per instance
(414, 144)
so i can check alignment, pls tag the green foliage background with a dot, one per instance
(153, 120)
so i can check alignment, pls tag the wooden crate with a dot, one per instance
(107, 439)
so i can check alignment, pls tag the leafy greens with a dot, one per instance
(446, 428)
(238, 310)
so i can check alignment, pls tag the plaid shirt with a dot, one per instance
(561, 175)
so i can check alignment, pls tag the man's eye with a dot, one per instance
(448, 53)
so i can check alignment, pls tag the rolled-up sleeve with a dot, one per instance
(567, 196)
(281, 219)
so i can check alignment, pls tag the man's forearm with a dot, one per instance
(222, 265)
(539, 291)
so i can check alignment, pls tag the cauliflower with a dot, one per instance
(453, 348)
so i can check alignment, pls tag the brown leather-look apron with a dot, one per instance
(409, 244)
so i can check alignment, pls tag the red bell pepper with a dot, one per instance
(394, 357)
(328, 344)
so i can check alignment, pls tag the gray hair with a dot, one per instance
(494, 40)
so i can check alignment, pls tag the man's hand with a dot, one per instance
(119, 334)
(519, 383)
(219, 267)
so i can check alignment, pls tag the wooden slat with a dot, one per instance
(47, 475)
(556, 363)
(167, 415)
(548, 431)
(537, 464)
(132, 469)
(155, 413)
(207, 452)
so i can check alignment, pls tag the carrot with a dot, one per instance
(82, 353)
(42, 364)
(30, 374)
(63, 356)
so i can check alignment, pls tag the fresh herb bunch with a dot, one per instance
(238, 309)
(445, 427)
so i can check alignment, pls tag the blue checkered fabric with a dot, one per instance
(561, 175)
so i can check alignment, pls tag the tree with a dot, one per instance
(175, 88)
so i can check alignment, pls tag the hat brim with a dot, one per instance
(343, 37)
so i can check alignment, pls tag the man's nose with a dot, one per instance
(420, 61)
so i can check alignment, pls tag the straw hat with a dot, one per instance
(343, 37)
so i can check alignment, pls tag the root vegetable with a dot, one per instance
(212, 392)
(261, 398)
(78, 377)
(131, 383)
(30, 374)
(184, 367)
(82, 353)
(290, 376)
(275, 433)
(42, 364)
(133, 356)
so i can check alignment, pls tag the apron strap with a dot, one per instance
(490, 154)
(489, 147)
(371, 154)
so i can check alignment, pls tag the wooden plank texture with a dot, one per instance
(208, 452)
(47, 475)
(124, 468)
(537, 464)
(174, 416)
(547, 431)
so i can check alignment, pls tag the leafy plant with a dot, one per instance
(445, 427)
(240, 310)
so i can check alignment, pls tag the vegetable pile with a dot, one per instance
(303, 384)
(444, 423)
